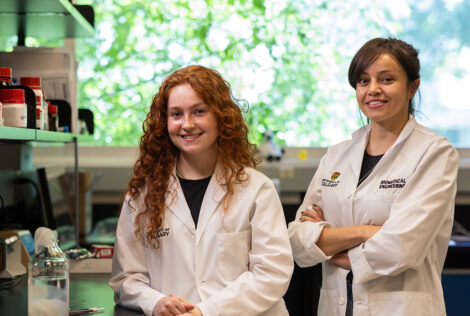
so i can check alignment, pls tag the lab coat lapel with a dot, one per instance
(356, 155)
(214, 194)
(406, 131)
(178, 206)
(362, 135)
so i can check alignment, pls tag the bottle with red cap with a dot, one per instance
(14, 107)
(53, 117)
(45, 112)
(5, 76)
(39, 113)
(35, 84)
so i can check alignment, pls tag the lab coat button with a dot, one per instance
(341, 301)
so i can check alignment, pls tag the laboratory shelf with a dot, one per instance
(48, 136)
(17, 134)
(45, 19)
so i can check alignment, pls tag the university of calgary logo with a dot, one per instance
(335, 175)
(332, 182)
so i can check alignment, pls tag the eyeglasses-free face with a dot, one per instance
(192, 124)
(383, 91)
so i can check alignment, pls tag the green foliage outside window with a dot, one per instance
(283, 58)
(287, 60)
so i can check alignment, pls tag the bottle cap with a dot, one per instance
(33, 82)
(5, 72)
(52, 109)
(12, 95)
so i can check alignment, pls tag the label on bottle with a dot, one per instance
(15, 114)
(39, 118)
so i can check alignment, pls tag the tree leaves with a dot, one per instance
(287, 59)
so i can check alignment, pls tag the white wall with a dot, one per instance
(112, 169)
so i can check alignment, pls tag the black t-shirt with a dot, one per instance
(368, 164)
(194, 191)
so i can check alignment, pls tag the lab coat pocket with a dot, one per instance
(403, 303)
(375, 210)
(232, 254)
(328, 303)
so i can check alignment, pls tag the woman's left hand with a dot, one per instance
(315, 214)
(194, 312)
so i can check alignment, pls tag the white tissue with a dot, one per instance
(44, 238)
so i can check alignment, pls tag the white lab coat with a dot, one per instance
(235, 263)
(411, 192)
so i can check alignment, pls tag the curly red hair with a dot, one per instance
(158, 155)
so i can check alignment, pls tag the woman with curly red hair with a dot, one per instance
(201, 232)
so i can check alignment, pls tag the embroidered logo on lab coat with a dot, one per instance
(162, 232)
(392, 184)
(331, 183)
(335, 175)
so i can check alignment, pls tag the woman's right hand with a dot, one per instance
(171, 305)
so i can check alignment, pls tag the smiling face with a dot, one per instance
(383, 92)
(192, 125)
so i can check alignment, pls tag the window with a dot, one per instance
(287, 59)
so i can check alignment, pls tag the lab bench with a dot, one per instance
(86, 291)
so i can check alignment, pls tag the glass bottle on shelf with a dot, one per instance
(53, 117)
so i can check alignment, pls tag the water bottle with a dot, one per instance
(48, 277)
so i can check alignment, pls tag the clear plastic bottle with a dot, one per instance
(48, 277)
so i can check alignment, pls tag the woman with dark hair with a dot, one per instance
(201, 232)
(379, 210)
